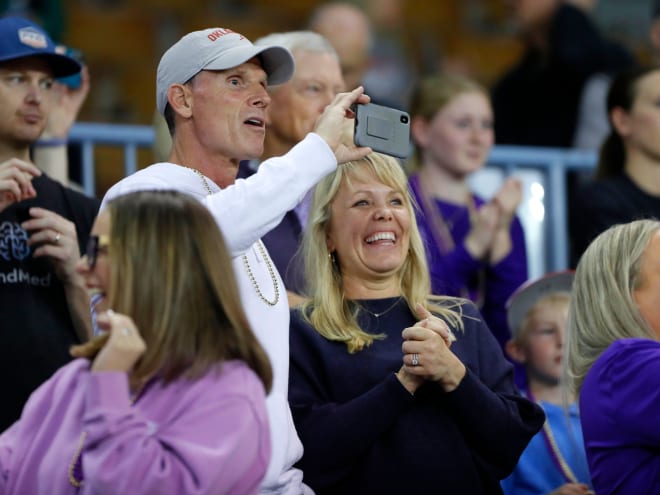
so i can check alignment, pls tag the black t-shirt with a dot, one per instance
(604, 203)
(36, 329)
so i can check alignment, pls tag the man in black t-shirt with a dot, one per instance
(44, 306)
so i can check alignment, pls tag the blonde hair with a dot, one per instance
(602, 308)
(432, 94)
(171, 272)
(520, 334)
(327, 310)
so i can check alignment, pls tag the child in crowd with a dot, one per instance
(554, 461)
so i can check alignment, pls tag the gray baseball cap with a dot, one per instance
(217, 49)
(525, 296)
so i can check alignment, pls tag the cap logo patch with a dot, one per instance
(31, 37)
(219, 33)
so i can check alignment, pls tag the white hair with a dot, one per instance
(299, 40)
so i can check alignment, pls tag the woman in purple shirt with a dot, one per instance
(613, 357)
(171, 398)
(475, 248)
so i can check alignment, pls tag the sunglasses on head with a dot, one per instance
(95, 245)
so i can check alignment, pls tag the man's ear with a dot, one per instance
(515, 351)
(180, 99)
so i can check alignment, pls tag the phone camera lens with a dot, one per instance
(404, 119)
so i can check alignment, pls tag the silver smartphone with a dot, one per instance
(384, 129)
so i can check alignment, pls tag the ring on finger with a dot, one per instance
(57, 237)
(415, 359)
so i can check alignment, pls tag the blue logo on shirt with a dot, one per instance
(13, 242)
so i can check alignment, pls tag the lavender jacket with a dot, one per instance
(206, 436)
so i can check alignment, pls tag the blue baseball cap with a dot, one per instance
(21, 38)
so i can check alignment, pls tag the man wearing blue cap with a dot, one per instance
(211, 88)
(43, 225)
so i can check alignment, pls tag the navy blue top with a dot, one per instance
(364, 433)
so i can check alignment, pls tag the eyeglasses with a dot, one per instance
(95, 245)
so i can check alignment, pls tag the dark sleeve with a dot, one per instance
(336, 433)
(496, 421)
(502, 279)
(576, 42)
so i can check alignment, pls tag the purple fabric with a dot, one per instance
(619, 412)
(456, 272)
(206, 436)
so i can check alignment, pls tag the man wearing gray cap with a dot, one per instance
(211, 88)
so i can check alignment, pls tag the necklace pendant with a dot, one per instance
(381, 313)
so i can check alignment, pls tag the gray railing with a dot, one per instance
(550, 165)
(128, 137)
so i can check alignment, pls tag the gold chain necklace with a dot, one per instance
(565, 468)
(551, 444)
(246, 263)
(74, 462)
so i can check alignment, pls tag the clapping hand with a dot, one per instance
(489, 236)
(429, 320)
(508, 199)
(482, 231)
(426, 352)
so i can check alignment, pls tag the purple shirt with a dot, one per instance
(205, 436)
(620, 415)
(454, 272)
